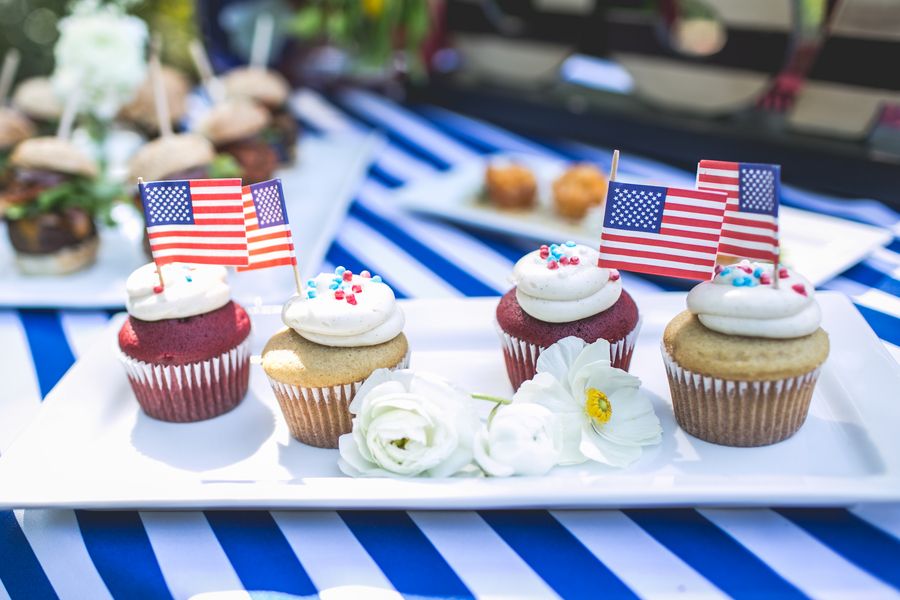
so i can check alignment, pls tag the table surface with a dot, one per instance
(774, 552)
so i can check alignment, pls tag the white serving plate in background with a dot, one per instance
(319, 189)
(92, 447)
(818, 246)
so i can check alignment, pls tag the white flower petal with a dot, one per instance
(602, 450)
(547, 391)
(559, 357)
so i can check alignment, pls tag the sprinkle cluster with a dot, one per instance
(341, 286)
(557, 255)
(747, 274)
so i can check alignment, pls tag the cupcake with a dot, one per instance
(743, 360)
(185, 347)
(510, 186)
(346, 327)
(562, 291)
(577, 190)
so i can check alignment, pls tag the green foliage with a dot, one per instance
(223, 166)
(95, 196)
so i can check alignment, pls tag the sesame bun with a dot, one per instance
(170, 154)
(262, 85)
(233, 120)
(142, 108)
(36, 98)
(14, 127)
(53, 154)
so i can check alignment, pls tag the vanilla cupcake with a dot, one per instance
(561, 291)
(744, 359)
(346, 327)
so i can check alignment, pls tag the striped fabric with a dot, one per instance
(771, 553)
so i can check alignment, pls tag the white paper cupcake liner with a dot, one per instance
(521, 356)
(194, 391)
(739, 413)
(318, 416)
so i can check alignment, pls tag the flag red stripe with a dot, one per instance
(725, 248)
(271, 249)
(748, 237)
(193, 234)
(658, 270)
(660, 256)
(201, 183)
(706, 178)
(275, 262)
(703, 210)
(697, 235)
(719, 164)
(217, 210)
(657, 242)
(230, 261)
(669, 220)
(269, 236)
(212, 221)
(733, 220)
(714, 196)
(197, 246)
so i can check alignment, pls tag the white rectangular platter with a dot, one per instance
(92, 447)
(319, 189)
(818, 246)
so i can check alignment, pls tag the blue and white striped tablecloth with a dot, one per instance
(594, 554)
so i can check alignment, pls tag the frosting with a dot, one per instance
(561, 283)
(189, 290)
(345, 310)
(741, 300)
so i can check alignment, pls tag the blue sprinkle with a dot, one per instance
(311, 283)
(310, 294)
(334, 285)
(725, 271)
(188, 278)
(752, 282)
(376, 278)
(554, 247)
(742, 281)
(339, 271)
(570, 244)
(757, 272)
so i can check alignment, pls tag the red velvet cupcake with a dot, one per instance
(185, 348)
(562, 291)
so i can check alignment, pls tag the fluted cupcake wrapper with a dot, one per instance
(194, 391)
(318, 416)
(739, 413)
(521, 356)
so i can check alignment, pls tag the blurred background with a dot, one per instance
(811, 84)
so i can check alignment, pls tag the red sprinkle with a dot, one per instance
(614, 275)
(351, 299)
(365, 275)
(545, 252)
(799, 288)
(783, 273)
(746, 270)
(339, 294)
(158, 289)
(564, 260)
(357, 289)
(348, 275)
(574, 260)
(718, 269)
(765, 279)
(552, 265)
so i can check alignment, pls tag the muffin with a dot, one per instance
(50, 203)
(237, 128)
(185, 347)
(577, 190)
(510, 186)
(346, 327)
(743, 360)
(561, 291)
(270, 90)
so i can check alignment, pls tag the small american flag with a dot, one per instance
(751, 219)
(198, 221)
(268, 234)
(662, 231)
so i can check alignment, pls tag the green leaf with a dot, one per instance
(223, 166)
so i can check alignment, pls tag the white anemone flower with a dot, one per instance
(519, 439)
(604, 416)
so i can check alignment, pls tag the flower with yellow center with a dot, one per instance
(373, 8)
(603, 414)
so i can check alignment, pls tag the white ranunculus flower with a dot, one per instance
(521, 439)
(101, 55)
(604, 416)
(408, 424)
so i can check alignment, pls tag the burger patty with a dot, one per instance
(286, 130)
(257, 159)
(50, 232)
(24, 185)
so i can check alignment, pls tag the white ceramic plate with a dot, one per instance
(90, 446)
(319, 189)
(818, 246)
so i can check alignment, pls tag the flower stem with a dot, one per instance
(490, 398)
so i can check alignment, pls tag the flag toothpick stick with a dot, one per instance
(776, 268)
(162, 283)
(613, 169)
(204, 68)
(8, 73)
(163, 117)
(262, 41)
(67, 119)
(297, 280)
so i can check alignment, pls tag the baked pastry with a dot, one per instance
(562, 291)
(510, 186)
(578, 189)
(743, 360)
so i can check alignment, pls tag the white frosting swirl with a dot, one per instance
(324, 319)
(741, 300)
(563, 293)
(189, 290)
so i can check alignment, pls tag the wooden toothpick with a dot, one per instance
(204, 69)
(262, 41)
(777, 265)
(160, 100)
(613, 170)
(8, 73)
